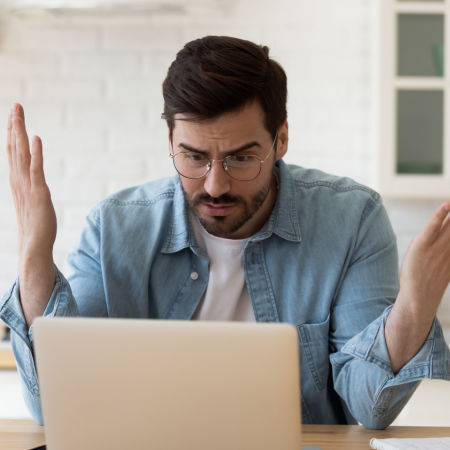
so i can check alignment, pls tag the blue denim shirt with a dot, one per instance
(325, 261)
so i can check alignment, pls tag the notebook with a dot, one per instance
(172, 385)
(442, 443)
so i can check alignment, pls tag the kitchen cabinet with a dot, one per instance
(413, 154)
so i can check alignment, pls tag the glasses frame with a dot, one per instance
(210, 162)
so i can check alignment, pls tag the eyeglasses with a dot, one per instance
(195, 165)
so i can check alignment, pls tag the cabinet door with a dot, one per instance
(420, 45)
(420, 132)
(420, 112)
(413, 150)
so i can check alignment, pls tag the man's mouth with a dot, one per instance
(216, 209)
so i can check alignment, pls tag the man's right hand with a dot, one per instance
(36, 218)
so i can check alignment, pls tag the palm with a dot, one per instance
(36, 216)
(425, 270)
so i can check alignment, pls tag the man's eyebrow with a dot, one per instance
(228, 152)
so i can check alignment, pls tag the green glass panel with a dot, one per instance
(420, 132)
(420, 45)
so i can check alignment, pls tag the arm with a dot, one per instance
(39, 283)
(86, 285)
(41, 289)
(362, 372)
(36, 217)
(424, 277)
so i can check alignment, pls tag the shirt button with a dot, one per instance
(194, 276)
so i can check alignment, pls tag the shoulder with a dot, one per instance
(313, 179)
(315, 187)
(156, 195)
(143, 195)
(335, 209)
(328, 203)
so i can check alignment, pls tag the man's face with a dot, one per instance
(224, 206)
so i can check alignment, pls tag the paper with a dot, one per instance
(411, 444)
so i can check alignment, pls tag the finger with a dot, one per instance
(22, 150)
(16, 110)
(445, 230)
(433, 228)
(13, 143)
(446, 207)
(37, 176)
(8, 140)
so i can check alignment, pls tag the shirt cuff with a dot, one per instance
(431, 361)
(11, 308)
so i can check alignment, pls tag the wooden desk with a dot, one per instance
(24, 434)
(7, 360)
(353, 437)
(20, 434)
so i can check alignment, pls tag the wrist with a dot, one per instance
(37, 279)
(37, 272)
(34, 260)
(405, 332)
(412, 310)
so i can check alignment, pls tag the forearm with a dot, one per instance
(37, 279)
(424, 277)
(406, 331)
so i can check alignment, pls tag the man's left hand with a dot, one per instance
(424, 277)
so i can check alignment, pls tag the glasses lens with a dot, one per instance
(191, 165)
(243, 167)
(196, 165)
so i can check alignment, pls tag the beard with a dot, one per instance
(225, 226)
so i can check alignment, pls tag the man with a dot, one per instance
(240, 235)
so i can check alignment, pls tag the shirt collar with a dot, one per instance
(283, 220)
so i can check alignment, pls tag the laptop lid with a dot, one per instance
(178, 385)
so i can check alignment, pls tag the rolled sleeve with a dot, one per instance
(363, 363)
(11, 312)
(61, 303)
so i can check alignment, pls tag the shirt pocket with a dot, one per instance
(314, 353)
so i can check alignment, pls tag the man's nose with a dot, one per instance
(217, 182)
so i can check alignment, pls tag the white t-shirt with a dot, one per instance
(226, 297)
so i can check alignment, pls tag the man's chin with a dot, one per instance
(217, 226)
(226, 226)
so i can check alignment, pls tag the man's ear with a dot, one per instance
(283, 140)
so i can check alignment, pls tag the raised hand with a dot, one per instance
(424, 277)
(425, 272)
(36, 218)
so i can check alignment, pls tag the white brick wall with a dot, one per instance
(92, 90)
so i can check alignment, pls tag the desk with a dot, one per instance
(7, 360)
(23, 434)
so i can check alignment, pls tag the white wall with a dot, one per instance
(92, 90)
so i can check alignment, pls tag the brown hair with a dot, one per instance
(218, 74)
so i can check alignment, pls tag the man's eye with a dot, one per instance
(194, 157)
(240, 158)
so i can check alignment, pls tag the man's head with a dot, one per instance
(219, 74)
(225, 101)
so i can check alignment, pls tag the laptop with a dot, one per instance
(168, 385)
